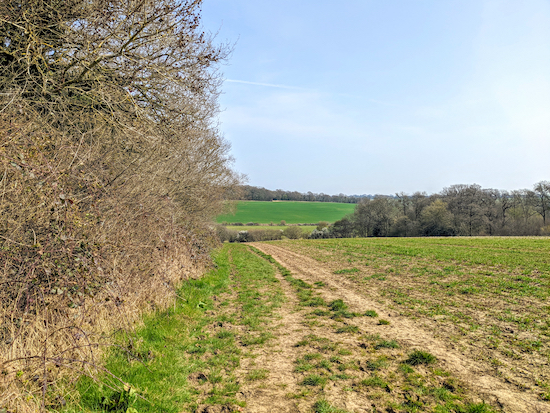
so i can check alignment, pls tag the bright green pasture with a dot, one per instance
(289, 211)
(307, 229)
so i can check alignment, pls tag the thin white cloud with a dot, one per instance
(246, 82)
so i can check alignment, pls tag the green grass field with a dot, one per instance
(305, 228)
(177, 360)
(289, 211)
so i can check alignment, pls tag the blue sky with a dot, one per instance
(361, 96)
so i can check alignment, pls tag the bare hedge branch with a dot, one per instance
(111, 168)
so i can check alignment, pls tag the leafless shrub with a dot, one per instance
(293, 232)
(110, 166)
(264, 234)
(225, 234)
(320, 234)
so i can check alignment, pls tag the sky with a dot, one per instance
(379, 97)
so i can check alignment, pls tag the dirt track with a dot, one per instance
(277, 359)
(478, 376)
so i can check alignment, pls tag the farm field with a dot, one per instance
(307, 229)
(256, 336)
(444, 325)
(480, 304)
(289, 211)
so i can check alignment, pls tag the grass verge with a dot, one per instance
(186, 356)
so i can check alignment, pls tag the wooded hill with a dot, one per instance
(467, 210)
(255, 193)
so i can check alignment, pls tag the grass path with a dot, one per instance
(185, 359)
(256, 336)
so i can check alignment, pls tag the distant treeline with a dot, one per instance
(255, 193)
(459, 210)
(467, 210)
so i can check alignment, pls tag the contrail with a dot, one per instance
(246, 82)
(264, 84)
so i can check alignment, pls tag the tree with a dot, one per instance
(523, 213)
(491, 209)
(404, 201)
(363, 218)
(419, 201)
(504, 203)
(403, 226)
(342, 228)
(436, 220)
(130, 86)
(144, 59)
(464, 202)
(373, 217)
(382, 211)
(542, 192)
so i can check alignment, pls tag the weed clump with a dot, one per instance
(338, 305)
(298, 283)
(338, 315)
(347, 329)
(370, 313)
(386, 344)
(479, 408)
(406, 369)
(376, 381)
(325, 364)
(303, 366)
(323, 406)
(320, 312)
(340, 310)
(373, 365)
(314, 380)
(259, 374)
(419, 357)
(314, 302)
